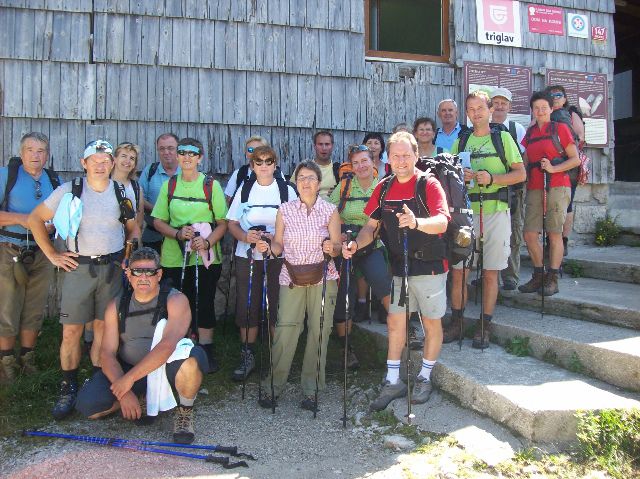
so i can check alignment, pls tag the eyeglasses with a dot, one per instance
(262, 161)
(167, 148)
(356, 148)
(188, 153)
(38, 189)
(557, 95)
(304, 179)
(137, 272)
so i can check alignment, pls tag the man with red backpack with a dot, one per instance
(550, 151)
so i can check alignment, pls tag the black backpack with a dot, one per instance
(152, 170)
(447, 170)
(160, 310)
(282, 188)
(243, 174)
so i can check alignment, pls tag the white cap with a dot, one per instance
(501, 92)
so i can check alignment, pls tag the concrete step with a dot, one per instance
(613, 263)
(624, 188)
(536, 400)
(627, 216)
(587, 299)
(608, 353)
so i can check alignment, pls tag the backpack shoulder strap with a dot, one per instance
(463, 138)
(513, 132)
(241, 176)
(336, 171)
(136, 191)
(498, 145)
(12, 177)
(207, 187)
(246, 187)
(121, 193)
(76, 186)
(152, 170)
(283, 189)
(345, 191)
(420, 193)
(123, 309)
(384, 189)
(161, 305)
(171, 188)
(555, 138)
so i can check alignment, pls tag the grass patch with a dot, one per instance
(575, 364)
(518, 346)
(574, 268)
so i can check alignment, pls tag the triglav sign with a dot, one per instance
(499, 22)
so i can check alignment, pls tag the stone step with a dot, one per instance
(613, 263)
(626, 217)
(535, 399)
(624, 188)
(608, 353)
(587, 299)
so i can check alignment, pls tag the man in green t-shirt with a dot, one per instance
(488, 179)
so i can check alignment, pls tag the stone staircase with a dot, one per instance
(624, 205)
(584, 353)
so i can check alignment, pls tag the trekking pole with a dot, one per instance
(462, 295)
(142, 446)
(184, 265)
(347, 267)
(481, 266)
(327, 257)
(369, 302)
(246, 331)
(195, 333)
(266, 319)
(405, 280)
(545, 181)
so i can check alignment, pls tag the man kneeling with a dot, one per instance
(144, 350)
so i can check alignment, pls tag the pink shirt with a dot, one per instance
(303, 235)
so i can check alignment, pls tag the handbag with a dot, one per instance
(305, 274)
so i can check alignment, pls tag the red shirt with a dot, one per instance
(544, 149)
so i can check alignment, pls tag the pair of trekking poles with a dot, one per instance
(194, 332)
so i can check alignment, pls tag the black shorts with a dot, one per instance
(242, 288)
(96, 396)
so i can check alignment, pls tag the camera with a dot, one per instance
(26, 255)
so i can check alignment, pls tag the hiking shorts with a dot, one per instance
(497, 241)
(96, 396)
(557, 203)
(427, 294)
(84, 296)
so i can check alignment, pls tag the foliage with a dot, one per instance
(574, 268)
(607, 231)
(611, 437)
(550, 356)
(518, 346)
(575, 364)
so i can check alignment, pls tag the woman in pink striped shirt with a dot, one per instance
(307, 231)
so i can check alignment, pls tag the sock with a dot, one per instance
(427, 366)
(552, 270)
(538, 269)
(456, 314)
(184, 402)
(70, 377)
(24, 350)
(393, 370)
(6, 352)
(488, 317)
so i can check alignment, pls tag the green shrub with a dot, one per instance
(574, 268)
(611, 438)
(607, 231)
(518, 346)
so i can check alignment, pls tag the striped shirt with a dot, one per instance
(304, 233)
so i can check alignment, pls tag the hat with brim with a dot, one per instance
(503, 92)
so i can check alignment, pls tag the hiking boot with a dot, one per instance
(144, 420)
(415, 343)
(246, 366)
(66, 402)
(509, 285)
(388, 393)
(9, 368)
(352, 359)
(309, 404)
(267, 402)
(482, 335)
(550, 284)
(28, 363)
(421, 391)
(452, 331)
(183, 425)
(534, 284)
(361, 313)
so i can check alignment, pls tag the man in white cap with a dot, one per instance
(501, 99)
(101, 216)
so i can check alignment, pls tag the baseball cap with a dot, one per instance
(97, 146)
(501, 92)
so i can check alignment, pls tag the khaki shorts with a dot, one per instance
(427, 294)
(497, 241)
(557, 202)
(22, 305)
(84, 298)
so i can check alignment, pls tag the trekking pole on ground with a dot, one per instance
(481, 266)
(143, 446)
(405, 281)
(545, 181)
(266, 317)
(369, 302)
(347, 268)
(197, 290)
(324, 293)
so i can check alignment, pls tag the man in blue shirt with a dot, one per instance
(450, 129)
(151, 180)
(25, 272)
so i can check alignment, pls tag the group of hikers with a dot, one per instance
(141, 254)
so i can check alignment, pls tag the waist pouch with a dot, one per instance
(501, 195)
(305, 274)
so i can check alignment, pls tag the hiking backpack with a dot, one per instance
(207, 187)
(283, 188)
(243, 174)
(160, 310)
(446, 168)
(346, 174)
(152, 170)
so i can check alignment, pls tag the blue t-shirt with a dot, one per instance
(446, 141)
(151, 190)
(22, 198)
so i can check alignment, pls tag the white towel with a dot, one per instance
(159, 393)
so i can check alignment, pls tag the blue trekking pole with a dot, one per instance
(266, 321)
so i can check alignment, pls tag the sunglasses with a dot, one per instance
(557, 95)
(192, 154)
(137, 272)
(38, 189)
(267, 161)
(356, 148)
(250, 149)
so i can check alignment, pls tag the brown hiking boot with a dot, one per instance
(28, 363)
(9, 368)
(550, 284)
(452, 331)
(482, 335)
(183, 432)
(534, 285)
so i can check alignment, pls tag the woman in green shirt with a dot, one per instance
(185, 202)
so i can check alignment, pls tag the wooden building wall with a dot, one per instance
(222, 70)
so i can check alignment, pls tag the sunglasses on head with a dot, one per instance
(356, 148)
(557, 95)
(192, 154)
(250, 149)
(38, 189)
(267, 161)
(144, 271)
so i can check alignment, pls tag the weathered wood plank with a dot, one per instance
(246, 49)
(165, 49)
(210, 95)
(255, 98)
(115, 38)
(181, 42)
(293, 42)
(132, 44)
(289, 95)
(234, 109)
(149, 40)
(139, 92)
(297, 15)
(310, 51)
(231, 46)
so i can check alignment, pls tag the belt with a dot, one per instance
(101, 259)
(16, 247)
(501, 195)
